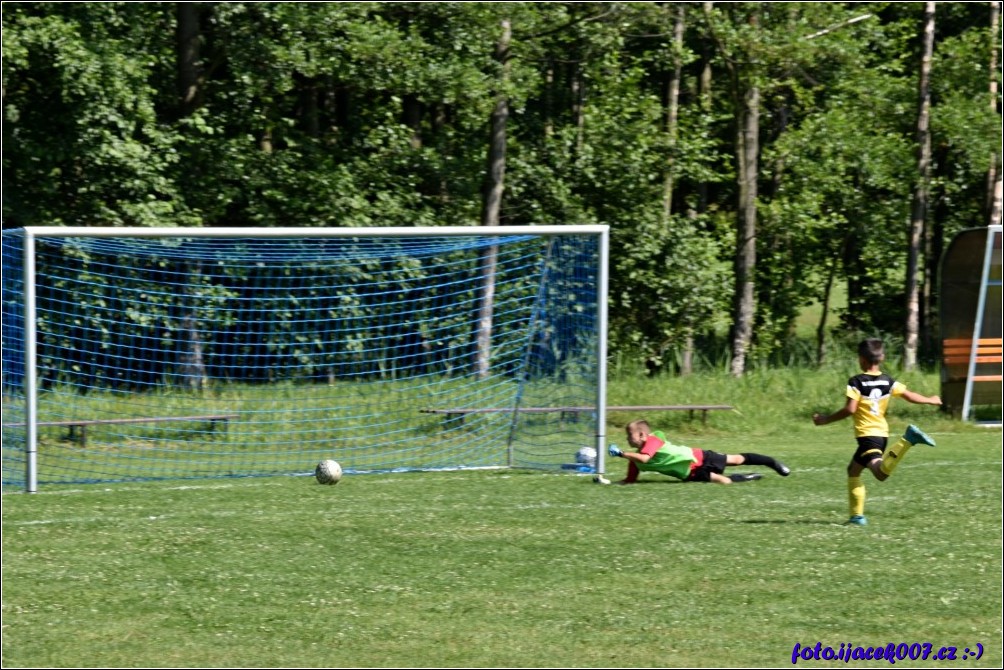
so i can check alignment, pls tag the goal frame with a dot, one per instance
(31, 233)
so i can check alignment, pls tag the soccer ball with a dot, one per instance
(328, 472)
(586, 456)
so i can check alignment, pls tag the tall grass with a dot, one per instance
(769, 401)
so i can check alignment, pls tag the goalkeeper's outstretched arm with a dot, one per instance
(632, 473)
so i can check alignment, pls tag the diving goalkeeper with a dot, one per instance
(657, 454)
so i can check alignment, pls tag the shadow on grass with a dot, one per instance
(803, 522)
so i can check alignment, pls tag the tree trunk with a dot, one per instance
(189, 40)
(704, 100)
(706, 56)
(934, 245)
(831, 274)
(310, 118)
(672, 113)
(744, 302)
(549, 99)
(411, 116)
(994, 183)
(918, 210)
(191, 362)
(578, 108)
(490, 214)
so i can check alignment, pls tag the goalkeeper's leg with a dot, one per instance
(759, 459)
(892, 457)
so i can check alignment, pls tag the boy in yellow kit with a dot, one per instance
(868, 396)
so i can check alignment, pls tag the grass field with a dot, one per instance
(529, 569)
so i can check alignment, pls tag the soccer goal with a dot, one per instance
(142, 354)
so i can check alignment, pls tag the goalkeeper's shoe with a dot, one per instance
(857, 520)
(915, 435)
(780, 468)
(751, 477)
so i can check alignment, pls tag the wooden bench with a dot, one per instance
(82, 424)
(455, 417)
(956, 354)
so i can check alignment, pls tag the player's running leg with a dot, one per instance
(895, 454)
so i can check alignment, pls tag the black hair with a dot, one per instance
(872, 350)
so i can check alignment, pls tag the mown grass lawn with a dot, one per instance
(512, 568)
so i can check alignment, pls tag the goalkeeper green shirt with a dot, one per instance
(668, 458)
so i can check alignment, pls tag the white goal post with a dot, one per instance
(176, 353)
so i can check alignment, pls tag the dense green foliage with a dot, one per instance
(377, 114)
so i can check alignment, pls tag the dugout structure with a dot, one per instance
(197, 353)
(971, 324)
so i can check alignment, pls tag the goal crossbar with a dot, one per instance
(418, 231)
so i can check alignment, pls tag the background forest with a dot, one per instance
(752, 159)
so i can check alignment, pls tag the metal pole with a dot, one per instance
(978, 326)
(418, 231)
(30, 369)
(601, 351)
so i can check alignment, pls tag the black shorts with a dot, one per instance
(869, 448)
(714, 462)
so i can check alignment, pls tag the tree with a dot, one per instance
(742, 63)
(995, 178)
(672, 102)
(494, 188)
(918, 210)
(788, 172)
(84, 142)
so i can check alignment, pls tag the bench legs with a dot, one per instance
(453, 421)
(81, 437)
(704, 416)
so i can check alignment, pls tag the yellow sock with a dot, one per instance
(856, 496)
(893, 455)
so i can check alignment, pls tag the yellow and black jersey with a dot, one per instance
(872, 391)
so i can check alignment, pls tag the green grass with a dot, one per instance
(529, 569)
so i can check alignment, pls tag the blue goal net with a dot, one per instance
(181, 357)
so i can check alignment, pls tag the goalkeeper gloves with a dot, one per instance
(614, 450)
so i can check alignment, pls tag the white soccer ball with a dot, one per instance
(328, 472)
(586, 456)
